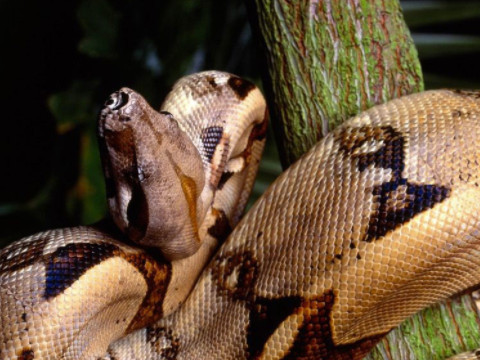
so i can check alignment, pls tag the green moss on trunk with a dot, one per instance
(329, 60)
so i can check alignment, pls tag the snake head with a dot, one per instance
(154, 175)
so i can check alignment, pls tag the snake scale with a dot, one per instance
(378, 220)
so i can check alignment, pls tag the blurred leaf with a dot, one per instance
(91, 186)
(85, 193)
(437, 45)
(75, 105)
(77, 108)
(100, 22)
(435, 81)
(423, 13)
(148, 55)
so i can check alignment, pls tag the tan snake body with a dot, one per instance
(378, 220)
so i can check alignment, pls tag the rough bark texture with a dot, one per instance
(345, 55)
(328, 60)
(438, 332)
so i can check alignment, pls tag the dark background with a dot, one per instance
(61, 59)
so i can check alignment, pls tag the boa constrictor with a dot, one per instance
(378, 220)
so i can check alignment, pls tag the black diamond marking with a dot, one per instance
(389, 156)
(314, 337)
(418, 199)
(391, 212)
(265, 316)
(68, 263)
(210, 137)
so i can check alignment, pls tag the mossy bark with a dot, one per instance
(438, 332)
(328, 60)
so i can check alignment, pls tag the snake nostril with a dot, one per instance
(117, 100)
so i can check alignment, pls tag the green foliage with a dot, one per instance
(447, 38)
(424, 13)
(73, 109)
(99, 21)
(75, 105)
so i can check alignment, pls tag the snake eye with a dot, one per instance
(117, 100)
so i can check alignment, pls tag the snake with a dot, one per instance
(377, 221)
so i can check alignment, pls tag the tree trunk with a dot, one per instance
(438, 332)
(328, 60)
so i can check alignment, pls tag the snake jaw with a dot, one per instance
(157, 175)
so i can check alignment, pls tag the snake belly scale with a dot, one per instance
(378, 220)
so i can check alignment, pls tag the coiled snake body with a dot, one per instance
(378, 220)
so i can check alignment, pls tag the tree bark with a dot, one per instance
(438, 332)
(328, 60)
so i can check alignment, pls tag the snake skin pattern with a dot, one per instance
(175, 185)
(471, 355)
(378, 220)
